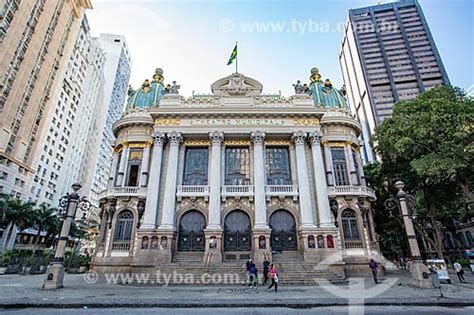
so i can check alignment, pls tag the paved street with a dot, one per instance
(406, 310)
(395, 289)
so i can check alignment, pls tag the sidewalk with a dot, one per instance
(25, 291)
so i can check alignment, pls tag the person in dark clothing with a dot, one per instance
(248, 266)
(373, 267)
(266, 264)
(253, 272)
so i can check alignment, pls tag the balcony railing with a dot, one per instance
(124, 191)
(237, 191)
(281, 191)
(121, 246)
(334, 191)
(353, 245)
(192, 191)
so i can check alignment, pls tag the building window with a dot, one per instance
(134, 163)
(356, 166)
(278, 166)
(123, 227)
(340, 166)
(349, 226)
(196, 166)
(237, 166)
(470, 241)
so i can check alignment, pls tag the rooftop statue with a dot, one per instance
(149, 94)
(172, 89)
(301, 88)
(324, 94)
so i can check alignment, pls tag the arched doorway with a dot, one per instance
(191, 232)
(283, 235)
(237, 232)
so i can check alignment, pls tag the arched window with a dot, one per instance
(123, 227)
(350, 226)
(470, 241)
(462, 240)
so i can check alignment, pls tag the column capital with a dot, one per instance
(175, 138)
(216, 137)
(299, 137)
(315, 138)
(159, 138)
(257, 137)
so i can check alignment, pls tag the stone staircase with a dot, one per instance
(293, 270)
(190, 266)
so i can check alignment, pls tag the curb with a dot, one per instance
(199, 304)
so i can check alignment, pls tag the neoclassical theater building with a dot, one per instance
(222, 177)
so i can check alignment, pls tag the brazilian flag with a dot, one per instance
(233, 55)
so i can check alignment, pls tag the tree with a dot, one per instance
(43, 217)
(429, 144)
(16, 213)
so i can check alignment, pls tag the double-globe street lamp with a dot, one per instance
(404, 204)
(68, 206)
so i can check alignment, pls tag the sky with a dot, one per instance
(278, 41)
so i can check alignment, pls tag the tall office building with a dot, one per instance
(387, 55)
(36, 36)
(117, 74)
(59, 160)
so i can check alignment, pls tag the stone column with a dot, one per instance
(145, 166)
(113, 169)
(215, 181)
(329, 167)
(257, 138)
(350, 163)
(169, 198)
(361, 169)
(322, 197)
(306, 208)
(123, 165)
(151, 206)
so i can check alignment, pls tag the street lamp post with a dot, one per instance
(68, 205)
(404, 202)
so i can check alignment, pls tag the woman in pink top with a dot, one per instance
(274, 277)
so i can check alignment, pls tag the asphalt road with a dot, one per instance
(405, 310)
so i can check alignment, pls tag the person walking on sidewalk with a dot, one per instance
(274, 277)
(266, 264)
(248, 265)
(459, 271)
(373, 267)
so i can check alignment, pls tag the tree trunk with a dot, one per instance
(7, 235)
(36, 242)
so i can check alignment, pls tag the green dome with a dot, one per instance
(149, 94)
(324, 94)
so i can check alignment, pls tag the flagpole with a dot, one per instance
(236, 58)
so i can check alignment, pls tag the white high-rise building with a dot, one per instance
(117, 74)
(63, 144)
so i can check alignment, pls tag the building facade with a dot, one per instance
(236, 174)
(59, 162)
(39, 34)
(387, 55)
(117, 73)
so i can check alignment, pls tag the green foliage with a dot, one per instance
(428, 143)
(464, 262)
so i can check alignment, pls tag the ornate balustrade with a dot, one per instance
(192, 191)
(353, 245)
(237, 191)
(281, 191)
(334, 191)
(121, 246)
(124, 192)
